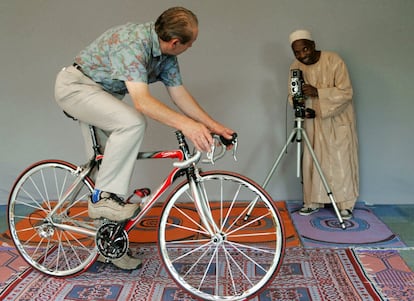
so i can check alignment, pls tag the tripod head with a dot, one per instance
(299, 107)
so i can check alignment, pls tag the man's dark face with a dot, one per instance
(304, 51)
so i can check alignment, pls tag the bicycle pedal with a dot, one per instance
(98, 222)
(104, 221)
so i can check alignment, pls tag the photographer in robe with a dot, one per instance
(332, 132)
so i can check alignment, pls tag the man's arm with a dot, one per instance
(193, 128)
(190, 107)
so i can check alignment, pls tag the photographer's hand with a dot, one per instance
(309, 90)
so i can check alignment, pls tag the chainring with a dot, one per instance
(112, 243)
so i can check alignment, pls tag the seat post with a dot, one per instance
(95, 144)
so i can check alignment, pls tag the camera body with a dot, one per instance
(296, 84)
(296, 88)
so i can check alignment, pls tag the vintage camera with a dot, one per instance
(296, 88)
(296, 84)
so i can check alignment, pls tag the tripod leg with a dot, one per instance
(272, 170)
(279, 158)
(325, 183)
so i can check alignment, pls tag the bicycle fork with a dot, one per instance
(202, 204)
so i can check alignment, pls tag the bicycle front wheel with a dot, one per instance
(54, 235)
(245, 250)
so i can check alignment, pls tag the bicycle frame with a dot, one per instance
(185, 165)
(154, 197)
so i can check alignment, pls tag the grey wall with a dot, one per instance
(238, 70)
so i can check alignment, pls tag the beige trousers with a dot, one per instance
(121, 126)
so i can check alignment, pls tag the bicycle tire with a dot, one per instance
(49, 248)
(240, 259)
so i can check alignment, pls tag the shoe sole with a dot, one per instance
(308, 213)
(102, 259)
(348, 215)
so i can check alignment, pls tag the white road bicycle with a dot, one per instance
(216, 255)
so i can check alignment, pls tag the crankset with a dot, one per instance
(112, 240)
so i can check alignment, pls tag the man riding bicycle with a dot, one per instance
(126, 59)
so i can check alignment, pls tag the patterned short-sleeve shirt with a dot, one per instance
(129, 52)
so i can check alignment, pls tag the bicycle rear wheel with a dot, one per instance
(241, 257)
(53, 235)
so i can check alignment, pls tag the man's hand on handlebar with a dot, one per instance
(227, 136)
(222, 144)
(201, 135)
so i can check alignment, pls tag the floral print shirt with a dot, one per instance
(129, 52)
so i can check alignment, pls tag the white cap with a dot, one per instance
(300, 34)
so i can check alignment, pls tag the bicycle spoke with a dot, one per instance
(230, 207)
(198, 260)
(187, 228)
(253, 234)
(186, 242)
(232, 281)
(236, 264)
(32, 198)
(197, 224)
(209, 264)
(245, 254)
(194, 251)
(38, 190)
(245, 225)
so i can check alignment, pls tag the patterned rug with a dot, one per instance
(322, 229)
(306, 274)
(389, 272)
(12, 266)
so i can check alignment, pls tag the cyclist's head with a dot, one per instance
(176, 23)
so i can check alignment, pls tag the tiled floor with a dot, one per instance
(399, 218)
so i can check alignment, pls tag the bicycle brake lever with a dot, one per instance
(235, 144)
(223, 144)
(210, 154)
(233, 141)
